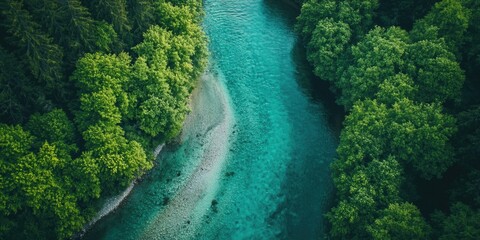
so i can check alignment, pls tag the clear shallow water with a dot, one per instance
(254, 153)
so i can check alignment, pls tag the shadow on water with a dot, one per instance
(319, 91)
(308, 188)
(316, 89)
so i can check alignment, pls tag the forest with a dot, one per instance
(407, 74)
(88, 89)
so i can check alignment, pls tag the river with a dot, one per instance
(254, 153)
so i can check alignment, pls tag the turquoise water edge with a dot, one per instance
(254, 153)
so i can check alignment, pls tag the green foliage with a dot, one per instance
(462, 223)
(420, 134)
(423, 30)
(115, 13)
(469, 134)
(104, 102)
(17, 94)
(54, 169)
(141, 14)
(396, 88)
(44, 192)
(53, 126)
(363, 136)
(409, 77)
(399, 221)
(343, 218)
(412, 133)
(402, 13)
(96, 71)
(98, 107)
(467, 188)
(471, 48)
(119, 161)
(366, 190)
(14, 144)
(102, 81)
(312, 12)
(452, 19)
(34, 183)
(85, 173)
(167, 65)
(42, 56)
(434, 70)
(376, 57)
(328, 43)
(71, 25)
(358, 14)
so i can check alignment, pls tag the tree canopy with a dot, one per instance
(87, 89)
(402, 70)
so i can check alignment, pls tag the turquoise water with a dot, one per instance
(253, 157)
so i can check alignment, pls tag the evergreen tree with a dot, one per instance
(42, 56)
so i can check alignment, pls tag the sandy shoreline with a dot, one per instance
(186, 209)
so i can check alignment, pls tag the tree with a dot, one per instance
(471, 48)
(434, 70)
(462, 223)
(52, 169)
(363, 192)
(396, 88)
(167, 62)
(53, 126)
(344, 219)
(98, 107)
(102, 80)
(84, 172)
(98, 71)
(72, 26)
(42, 56)
(328, 44)
(44, 191)
(313, 11)
(86, 33)
(402, 13)
(378, 56)
(416, 134)
(399, 221)
(452, 19)
(358, 15)
(119, 161)
(141, 14)
(50, 15)
(468, 140)
(17, 94)
(114, 12)
(14, 144)
(419, 134)
(363, 137)
(32, 184)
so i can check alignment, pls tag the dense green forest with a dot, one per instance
(407, 74)
(88, 89)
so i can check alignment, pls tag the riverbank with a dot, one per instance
(185, 210)
(184, 181)
(112, 203)
(263, 179)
